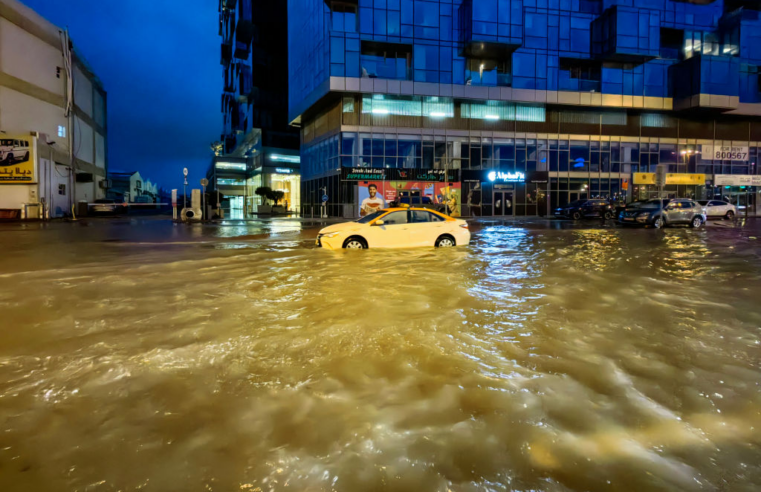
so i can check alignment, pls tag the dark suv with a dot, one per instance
(659, 213)
(586, 208)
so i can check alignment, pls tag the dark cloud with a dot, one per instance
(159, 63)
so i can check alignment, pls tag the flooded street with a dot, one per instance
(142, 355)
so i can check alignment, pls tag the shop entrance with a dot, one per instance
(503, 203)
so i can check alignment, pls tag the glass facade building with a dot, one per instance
(526, 103)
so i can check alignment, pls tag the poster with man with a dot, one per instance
(370, 200)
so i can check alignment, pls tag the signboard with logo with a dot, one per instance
(386, 174)
(737, 180)
(17, 159)
(671, 179)
(725, 152)
(500, 177)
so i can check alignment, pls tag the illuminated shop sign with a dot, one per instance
(283, 170)
(294, 159)
(238, 166)
(390, 174)
(506, 177)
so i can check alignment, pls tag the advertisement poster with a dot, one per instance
(16, 159)
(374, 196)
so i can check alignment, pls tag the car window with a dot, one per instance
(435, 218)
(418, 216)
(716, 203)
(395, 218)
(371, 217)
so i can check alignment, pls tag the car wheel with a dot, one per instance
(445, 242)
(608, 215)
(355, 243)
(576, 215)
(26, 156)
(730, 215)
(9, 159)
(659, 222)
(696, 222)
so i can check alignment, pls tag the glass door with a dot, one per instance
(503, 203)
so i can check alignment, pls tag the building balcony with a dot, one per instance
(227, 53)
(244, 29)
(242, 50)
(706, 82)
(579, 85)
(626, 35)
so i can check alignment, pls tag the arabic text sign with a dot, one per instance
(725, 152)
(671, 179)
(737, 180)
(16, 159)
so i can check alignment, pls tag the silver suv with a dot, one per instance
(659, 214)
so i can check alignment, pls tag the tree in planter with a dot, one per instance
(265, 192)
(277, 196)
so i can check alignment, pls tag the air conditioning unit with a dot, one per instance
(104, 184)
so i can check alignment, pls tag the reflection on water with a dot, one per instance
(536, 359)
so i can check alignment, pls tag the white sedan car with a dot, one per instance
(718, 208)
(396, 228)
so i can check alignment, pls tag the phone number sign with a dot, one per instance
(728, 153)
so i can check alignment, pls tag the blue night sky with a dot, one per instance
(159, 63)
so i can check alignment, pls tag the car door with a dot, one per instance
(673, 212)
(392, 233)
(718, 208)
(425, 227)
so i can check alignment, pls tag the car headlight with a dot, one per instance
(329, 234)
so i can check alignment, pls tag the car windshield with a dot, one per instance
(371, 217)
(6, 142)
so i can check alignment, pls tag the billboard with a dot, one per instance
(16, 159)
(442, 196)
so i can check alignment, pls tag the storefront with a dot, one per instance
(504, 192)
(678, 185)
(741, 190)
(376, 188)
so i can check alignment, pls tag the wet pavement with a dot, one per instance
(138, 354)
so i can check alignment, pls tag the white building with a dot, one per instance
(130, 187)
(53, 144)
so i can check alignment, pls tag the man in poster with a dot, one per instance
(373, 203)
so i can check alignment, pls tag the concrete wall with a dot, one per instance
(32, 98)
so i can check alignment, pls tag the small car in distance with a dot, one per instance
(579, 209)
(104, 206)
(719, 208)
(658, 214)
(396, 228)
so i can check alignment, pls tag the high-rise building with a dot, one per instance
(53, 125)
(256, 129)
(513, 107)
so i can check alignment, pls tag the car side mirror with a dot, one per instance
(378, 223)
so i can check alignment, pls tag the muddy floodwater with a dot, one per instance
(142, 355)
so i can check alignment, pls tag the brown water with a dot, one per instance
(146, 356)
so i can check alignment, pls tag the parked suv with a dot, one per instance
(13, 150)
(659, 214)
(586, 208)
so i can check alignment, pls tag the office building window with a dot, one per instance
(343, 16)
(672, 41)
(386, 61)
